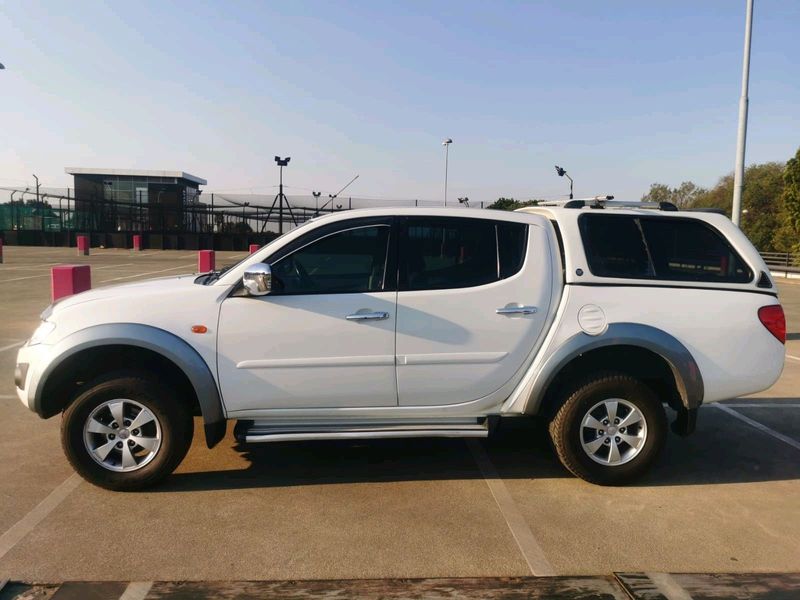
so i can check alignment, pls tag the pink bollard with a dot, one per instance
(205, 261)
(66, 280)
(137, 242)
(83, 245)
(253, 248)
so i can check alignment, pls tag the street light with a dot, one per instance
(446, 143)
(316, 201)
(563, 173)
(464, 201)
(741, 135)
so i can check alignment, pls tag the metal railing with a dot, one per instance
(788, 262)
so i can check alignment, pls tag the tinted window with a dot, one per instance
(345, 262)
(458, 253)
(658, 248)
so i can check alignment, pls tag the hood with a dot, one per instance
(142, 288)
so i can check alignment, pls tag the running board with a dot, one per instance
(269, 431)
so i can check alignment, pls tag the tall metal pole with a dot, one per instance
(280, 202)
(446, 158)
(741, 136)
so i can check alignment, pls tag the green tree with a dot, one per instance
(762, 199)
(682, 196)
(511, 204)
(789, 234)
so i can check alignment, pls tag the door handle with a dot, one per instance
(517, 310)
(368, 316)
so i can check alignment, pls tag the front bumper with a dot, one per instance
(30, 362)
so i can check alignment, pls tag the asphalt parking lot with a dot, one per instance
(724, 500)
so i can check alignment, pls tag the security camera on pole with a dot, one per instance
(280, 198)
(563, 173)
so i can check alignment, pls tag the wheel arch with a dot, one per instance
(631, 348)
(101, 348)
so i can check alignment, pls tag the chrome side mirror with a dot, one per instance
(257, 279)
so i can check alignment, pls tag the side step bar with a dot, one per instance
(269, 431)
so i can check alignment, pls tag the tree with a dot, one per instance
(790, 233)
(762, 199)
(682, 196)
(511, 204)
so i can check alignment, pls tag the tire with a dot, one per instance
(89, 423)
(587, 451)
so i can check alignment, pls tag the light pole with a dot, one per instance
(563, 173)
(446, 145)
(37, 189)
(316, 201)
(741, 135)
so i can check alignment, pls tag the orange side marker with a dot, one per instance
(199, 329)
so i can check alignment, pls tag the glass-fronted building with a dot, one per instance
(137, 200)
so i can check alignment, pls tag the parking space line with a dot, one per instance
(762, 405)
(148, 273)
(793, 357)
(761, 427)
(12, 346)
(26, 524)
(136, 590)
(526, 542)
(668, 587)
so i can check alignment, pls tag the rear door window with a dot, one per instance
(670, 249)
(450, 253)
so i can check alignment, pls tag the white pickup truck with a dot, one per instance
(418, 322)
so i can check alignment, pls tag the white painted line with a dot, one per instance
(136, 590)
(148, 273)
(761, 427)
(528, 546)
(26, 524)
(668, 587)
(8, 397)
(23, 278)
(12, 346)
(793, 357)
(762, 405)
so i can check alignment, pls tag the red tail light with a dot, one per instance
(772, 318)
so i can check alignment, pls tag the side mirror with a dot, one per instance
(257, 279)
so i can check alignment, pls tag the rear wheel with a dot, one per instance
(126, 431)
(609, 429)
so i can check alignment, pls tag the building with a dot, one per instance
(137, 200)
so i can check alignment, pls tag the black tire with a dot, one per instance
(566, 430)
(172, 413)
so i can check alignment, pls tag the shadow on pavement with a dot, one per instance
(723, 450)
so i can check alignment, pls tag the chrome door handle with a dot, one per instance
(369, 316)
(517, 310)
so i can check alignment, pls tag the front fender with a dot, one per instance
(684, 368)
(150, 338)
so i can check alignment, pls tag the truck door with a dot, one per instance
(473, 297)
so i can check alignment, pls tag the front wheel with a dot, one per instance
(609, 429)
(126, 431)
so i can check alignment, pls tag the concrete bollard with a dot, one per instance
(66, 280)
(254, 248)
(137, 242)
(83, 245)
(205, 261)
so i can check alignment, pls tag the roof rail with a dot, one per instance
(709, 209)
(609, 202)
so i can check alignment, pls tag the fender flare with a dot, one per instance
(684, 368)
(156, 340)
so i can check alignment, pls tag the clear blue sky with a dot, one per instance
(620, 93)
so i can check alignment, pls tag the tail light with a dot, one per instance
(772, 318)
